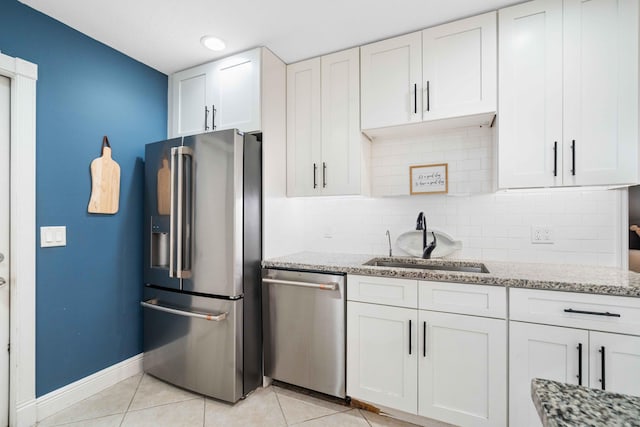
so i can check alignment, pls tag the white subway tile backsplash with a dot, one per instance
(491, 226)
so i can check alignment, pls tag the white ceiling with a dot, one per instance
(166, 34)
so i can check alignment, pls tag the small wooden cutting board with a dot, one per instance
(105, 182)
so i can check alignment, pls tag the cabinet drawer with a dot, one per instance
(477, 300)
(383, 290)
(575, 310)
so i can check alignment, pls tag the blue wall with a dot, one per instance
(87, 313)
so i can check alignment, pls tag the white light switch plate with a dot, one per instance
(53, 236)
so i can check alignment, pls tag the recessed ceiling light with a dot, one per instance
(212, 43)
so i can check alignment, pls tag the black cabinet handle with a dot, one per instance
(602, 366)
(579, 363)
(206, 118)
(315, 168)
(213, 117)
(573, 157)
(415, 98)
(555, 158)
(424, 339)
(324, 175)
(593, 313)
(428, 96)
(409, 336)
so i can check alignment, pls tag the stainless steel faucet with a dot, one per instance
(389, 237)
(421, 224)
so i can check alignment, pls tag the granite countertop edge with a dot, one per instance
(567, 405)
(569, 278)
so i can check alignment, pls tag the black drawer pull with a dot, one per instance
(594, 313)
(579, 364)
(409, 336)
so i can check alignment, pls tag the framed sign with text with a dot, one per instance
(428, 179)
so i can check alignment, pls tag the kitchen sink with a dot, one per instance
(464, 267)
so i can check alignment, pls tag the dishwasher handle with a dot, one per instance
(153, 304)
(331, 286)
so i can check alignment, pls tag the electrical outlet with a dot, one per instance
(541, 234)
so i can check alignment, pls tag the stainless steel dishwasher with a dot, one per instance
(304, 329)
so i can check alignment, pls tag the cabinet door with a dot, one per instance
(382, 351)
(619, 365)
(540, 351)
(463, 369)
(600, 91)
(236, 95)
(391, 77)
(459, 68)
(530, 99)
(188, 103)
(303, 128)
(341, 150)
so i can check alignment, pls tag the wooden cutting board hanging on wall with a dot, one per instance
(105, 182)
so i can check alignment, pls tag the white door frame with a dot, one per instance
(22, 278)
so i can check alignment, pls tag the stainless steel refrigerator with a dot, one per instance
(202, 296)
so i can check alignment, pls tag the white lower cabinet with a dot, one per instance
(569, 355)
(446, 366)
(462, 369)
(541, 351)
(614, 361)
(381, 366)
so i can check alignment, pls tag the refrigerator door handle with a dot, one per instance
(180, 211)
(153, 304)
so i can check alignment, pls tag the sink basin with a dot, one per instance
(426, 265)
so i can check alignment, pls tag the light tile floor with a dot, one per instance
(143, 400)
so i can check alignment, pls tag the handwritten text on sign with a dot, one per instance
(428, 179)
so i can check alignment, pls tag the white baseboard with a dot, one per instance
(66, 396)
(25, 414)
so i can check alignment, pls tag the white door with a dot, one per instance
(5, 86)
(463, 369)
(341, 149)
(618, 365)
(236, 92)
(540, 351)
(189, 109)
(530, 98)
(382, 352)
(459, 68)
(391, 77)
(304, 168)
(600, 91)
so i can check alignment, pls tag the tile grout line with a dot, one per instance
(132, 397)
(284, 417)
(365, 418)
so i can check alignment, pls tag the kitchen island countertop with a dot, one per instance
(559, 277)
(566, 405)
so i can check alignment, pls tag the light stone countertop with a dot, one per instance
(559, 277)
(565, 405)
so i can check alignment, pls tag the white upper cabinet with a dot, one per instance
(341, 139)
(600, 92)
(459, 68)
(236, 92)
(303, 127)
(324, 144)
(391, 72)
(444, 72)
(219, 95)
(568, 93)
(189, 112)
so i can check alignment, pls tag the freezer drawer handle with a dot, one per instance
(153, 304)
(331, 286)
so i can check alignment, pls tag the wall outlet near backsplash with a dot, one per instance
(541, 234)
